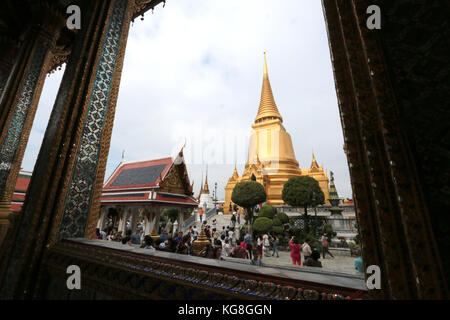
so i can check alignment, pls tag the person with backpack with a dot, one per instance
(325, 245)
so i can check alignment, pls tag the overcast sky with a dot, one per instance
(193, 70)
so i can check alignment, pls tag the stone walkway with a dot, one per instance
(338, 264)
(342, 264)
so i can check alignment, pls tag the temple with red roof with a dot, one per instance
(138, 191)
(20, 190)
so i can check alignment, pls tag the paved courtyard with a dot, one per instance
(343, 264)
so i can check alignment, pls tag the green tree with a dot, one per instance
(267, 211)
(283, 217)
(262, 225)
(302, 191)
(247, 194)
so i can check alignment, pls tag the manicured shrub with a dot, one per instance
(277, 222)
(282, 216)
(278, 230)
(262, 225)
(267, 211)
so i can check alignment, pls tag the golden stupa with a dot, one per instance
(271, 157)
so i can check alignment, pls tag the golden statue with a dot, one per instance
(271, 157)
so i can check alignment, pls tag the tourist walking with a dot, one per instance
(325, 245)
(259, 245)
(295, 251)
(230, 235)
(266, 245)
(233, 220)
(306, 250)
(275, 246)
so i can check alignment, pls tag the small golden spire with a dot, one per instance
(266, 74)
(206, 187)
(201, 185)
(314, 163)
(267, 106)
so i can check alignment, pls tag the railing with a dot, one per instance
(339, 224)
(116, 271)
(209, 214)
(188, 222)
(192, 219)
(320, 209)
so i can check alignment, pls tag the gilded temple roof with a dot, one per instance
(267, 106)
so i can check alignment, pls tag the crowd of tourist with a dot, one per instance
(222, 243)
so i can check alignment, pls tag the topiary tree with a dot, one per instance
(283, 217)
(267, 211)
(262, 225)
(302, 191)
(277, 222)
(247, 194)
(278, 230)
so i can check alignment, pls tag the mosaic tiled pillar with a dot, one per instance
(18, 110)
(63, 198)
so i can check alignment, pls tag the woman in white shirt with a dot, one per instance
(266, 244)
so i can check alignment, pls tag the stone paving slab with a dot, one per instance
(343, 264)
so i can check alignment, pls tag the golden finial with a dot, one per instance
(267, 106)
(265, 65)
(314, 163)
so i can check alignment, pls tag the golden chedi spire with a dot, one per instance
(314, 163)
(271, 157)
(206, 187)
(235, 175)
(201, 187)
(267, 106)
